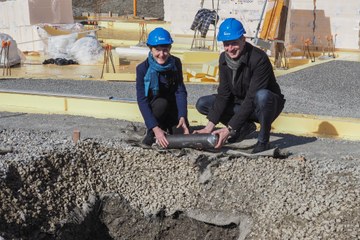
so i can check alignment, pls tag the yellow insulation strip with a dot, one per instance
(296, 124)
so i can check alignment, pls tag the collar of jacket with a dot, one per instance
(244, 58)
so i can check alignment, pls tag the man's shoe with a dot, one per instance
(260, 147)
(244, 131)
(149, 138)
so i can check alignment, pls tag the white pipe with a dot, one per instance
(132, 52)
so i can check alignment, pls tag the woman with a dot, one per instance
(160, 90)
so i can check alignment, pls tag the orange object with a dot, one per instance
(135, 7)
(307, 42)
(272, 19)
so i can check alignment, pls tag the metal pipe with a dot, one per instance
(256, 39)
(197, 141)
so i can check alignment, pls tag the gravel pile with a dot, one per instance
(48, 178)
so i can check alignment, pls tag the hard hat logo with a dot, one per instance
(159, 36)
(230, 29)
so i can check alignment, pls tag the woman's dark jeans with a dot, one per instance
(268, 106)
(166, 113)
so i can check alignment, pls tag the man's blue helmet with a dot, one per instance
(230, 29)
(159, 36)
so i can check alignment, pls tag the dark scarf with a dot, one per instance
(233, 65)
(151, 78)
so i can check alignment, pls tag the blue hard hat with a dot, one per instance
(159, 36)
(230, 29)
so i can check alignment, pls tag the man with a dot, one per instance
(247, 91)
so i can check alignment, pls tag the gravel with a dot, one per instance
(88, 88)
(48, 177)
(328, 89)
(51, 187)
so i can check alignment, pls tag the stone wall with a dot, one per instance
(145, 8)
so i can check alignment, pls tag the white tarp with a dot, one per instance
(13, 56)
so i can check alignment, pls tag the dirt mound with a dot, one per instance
(52, 188)
(65, 194)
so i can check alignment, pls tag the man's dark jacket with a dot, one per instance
(254, 73)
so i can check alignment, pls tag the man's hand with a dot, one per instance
(160, 137)
(223, 134)
(182, 123)
(209, 127)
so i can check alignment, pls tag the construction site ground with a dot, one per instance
(326, 88)
(106, 186)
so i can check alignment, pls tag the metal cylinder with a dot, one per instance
(197, 141)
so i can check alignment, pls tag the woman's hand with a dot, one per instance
(223, 134)
(160, 136)
(182, 124)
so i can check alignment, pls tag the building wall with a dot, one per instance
(305, 20)
(18, 18)
(335, 18)
(326, 18)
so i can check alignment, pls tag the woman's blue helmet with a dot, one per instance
(230, 29)
(159, 36)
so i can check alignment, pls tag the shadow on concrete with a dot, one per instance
(283, 140)
(13, 115)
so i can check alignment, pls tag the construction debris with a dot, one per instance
(9, 53)
(5, 49)
(108, 58)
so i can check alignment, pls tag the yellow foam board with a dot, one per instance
(205, 68)
(296, 124)
(199, 57)
(213, 70)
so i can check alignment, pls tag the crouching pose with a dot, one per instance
(160, 90)
(247, 92)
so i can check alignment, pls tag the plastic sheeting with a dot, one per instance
(87, 50)
(68, 41)
(14, 53)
